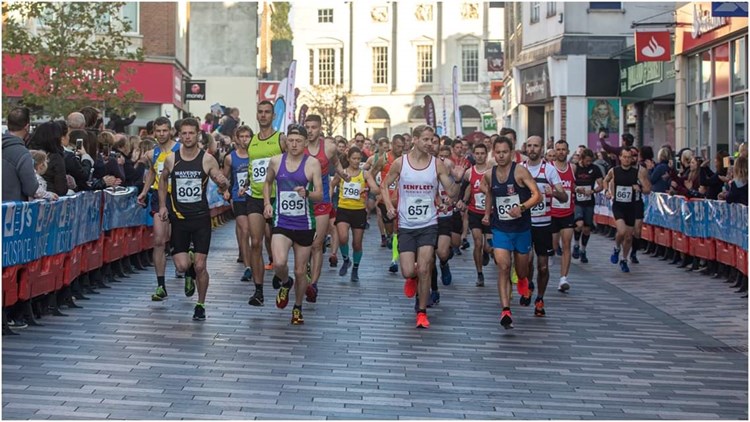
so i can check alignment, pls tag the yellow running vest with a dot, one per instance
(260, 152)
(352, 194)
(158, 159)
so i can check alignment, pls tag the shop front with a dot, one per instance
(712, 90)
(536, 100)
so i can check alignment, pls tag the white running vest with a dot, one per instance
(417, 190)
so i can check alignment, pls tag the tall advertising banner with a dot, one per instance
(444, 123)
(302, 114)
(279, 106)
(291, 100)
(456, 109)
(603, 114)
(429, 111)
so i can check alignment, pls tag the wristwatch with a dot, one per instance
(522, 207)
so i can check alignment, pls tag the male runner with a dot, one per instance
(292, 173)
(588, 182)
(511, 192)
(235, 170)
(474, 197)
(264, 145)
(563, 220)
(326, 154)
(623, 181)
(383, 166)
(189, 168)
(635, 153)
(165, 147)
(547, 181)
(450, 224)
(418, 173)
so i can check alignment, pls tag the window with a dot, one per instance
(325, 15)
(424, 64)
(380, 65)
(470, 63)
(694, 72)
(341, 66)
(130, 14)
(739, 64)
(534, 15)
(551, 9)
(705, 75)
(312, 67)
(605, 5)
(326, 66)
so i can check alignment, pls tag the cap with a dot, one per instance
(296, 129)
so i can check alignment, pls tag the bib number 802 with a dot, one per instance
(189, 192)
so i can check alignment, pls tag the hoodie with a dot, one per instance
(19, 179)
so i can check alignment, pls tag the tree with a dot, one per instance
(71, 55)
(280, 21)
(331, 103)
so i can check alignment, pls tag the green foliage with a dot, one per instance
(280, 21)
(332, 103)
(70, 54)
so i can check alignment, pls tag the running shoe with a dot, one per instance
(355, 275)
(422, 321)
(239, 258)
(624, 266)
(563, 286)
(178, 274)
(634, 259)
(159, 295)
(282, 298)
(394, 267)
(576, 252)
(615, 256)
(189, 282)
(247, 275)
(382, 241)
(445, 274)
(539, 308)
(485, 259)
(506, 319)
(457, 251)
(269, 266)
(345, 267)
(584, 258)
(410, 287)
(480, 280)
(297, 318)
(465, 244)
(333, 261)
(256, 299)
(559, 251)
(312, 293)
(199, 314)
(523, 286)
(435, 298)
(389, 242)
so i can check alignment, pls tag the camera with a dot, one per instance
(606, 132)
(79, 143)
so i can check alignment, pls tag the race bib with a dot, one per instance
(479, 200)
(159, 168)
(352, 190)
(623, 194)
(561, 205)
(259, 169)
(419, 209)
(242, 180)
(539, 210)
(580, 197)
(291, 204)
(189, 191)
(504, 204)
(378, 179)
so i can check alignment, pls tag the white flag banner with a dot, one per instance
(291, 105)
(456, 109)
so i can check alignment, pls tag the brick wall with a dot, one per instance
(158, 27)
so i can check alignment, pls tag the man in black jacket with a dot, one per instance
(19, 179)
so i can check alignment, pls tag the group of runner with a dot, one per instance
(428, 196)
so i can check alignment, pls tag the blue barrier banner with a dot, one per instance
(674, 218)
(739, 227)
(719, 220)
(89, 224)
(121, 209)
(695, 218)
(215, 199)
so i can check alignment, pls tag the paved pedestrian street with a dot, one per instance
(652, 344)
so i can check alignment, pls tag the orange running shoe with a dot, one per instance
(422, 321)
(269, 266)
(523, 286)
(506, 319)
(410, 287)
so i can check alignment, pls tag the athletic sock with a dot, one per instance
(345, 251)
(539, 298)
(443, 263)
(576, 236)
(395, 248)
(585, 240)
(259, 288)
(160, 280)
(298, 307)
(433, 279)
(634, 247)
(357, 257)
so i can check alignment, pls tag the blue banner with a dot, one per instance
(121, 209)
(215, 199)
(89, 224)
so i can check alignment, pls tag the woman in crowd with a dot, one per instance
(737, 192)
(659, 174)
(714, 181)
(48, 138)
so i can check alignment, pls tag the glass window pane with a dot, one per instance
(738, 121)
(739, 64)
(693, 126)
(424, 64)
(706, 75)
(380, 65)
(721, 70)
(470, 63)
(130, 13)
(326, 66)
(693, 77)
(704, 142)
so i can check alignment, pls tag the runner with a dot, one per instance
(547, 181)
(474, 197)
(289, 177)
(638, 210)
(622, 183)
(383, 166)
(189, 168)
(165, 147)
(511, 192)
(325, 152)
(588, 182)
(264, 145)
(450, 225)
(235, 170)
(418, 173)
(352, 211)
(563, 221)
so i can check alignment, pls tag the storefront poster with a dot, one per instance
(603, 113)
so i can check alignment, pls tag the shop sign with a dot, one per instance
(534, 84)
(697, 28)
(267, 90)
(489, 124)
(496, 90)
(493, 52)
(640, 75)
(195, 90)
(703, 21)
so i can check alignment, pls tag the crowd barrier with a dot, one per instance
(706, 229)
(47, 245)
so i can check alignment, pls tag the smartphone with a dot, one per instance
(728, 162)
(79, 143)
(106, 150)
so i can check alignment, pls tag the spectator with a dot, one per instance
(40, 167)
(231, 123)
(48, 138)
(208, 123)
(82, 154)
(118, 123)
(93, 117)
(603, 162)
(737, 193)
(76, 121)
(626, 140)
(659, 174)
(74, 159)
(688, 183)
(19, 180)
(714, 182)
(123, 148)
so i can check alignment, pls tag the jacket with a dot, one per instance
(19, 179)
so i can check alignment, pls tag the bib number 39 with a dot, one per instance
(259, 167)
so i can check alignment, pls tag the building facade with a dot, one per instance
(389, 55)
